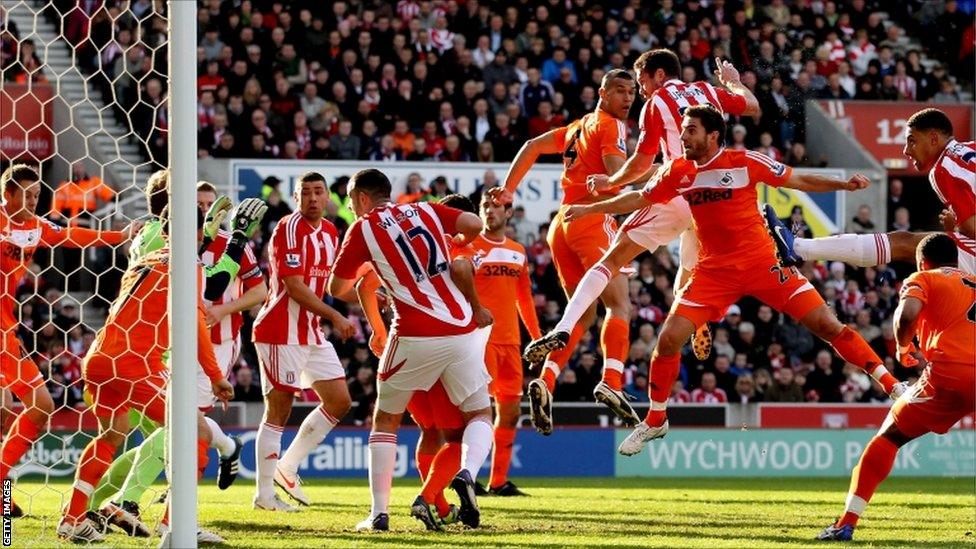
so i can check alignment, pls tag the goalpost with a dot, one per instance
(181, 401)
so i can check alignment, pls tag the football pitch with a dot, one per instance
(917, 512)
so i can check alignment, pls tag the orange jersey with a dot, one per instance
(19, 241)
(502, 281)
(946, 326)
(724, 203)
(584, 143)
(136, 332)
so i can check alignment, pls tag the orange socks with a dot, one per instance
(873, 467)
(615, 340)
(852, 348)
(442, 470)
(423, 463)
(23, 432)
(664, 370)
(502, 457)
(95, 460)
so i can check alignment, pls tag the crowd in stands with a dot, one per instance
(458, 81)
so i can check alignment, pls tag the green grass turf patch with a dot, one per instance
(919, 512)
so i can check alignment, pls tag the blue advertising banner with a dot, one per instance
(567, 453)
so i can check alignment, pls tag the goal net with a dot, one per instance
(83, 101)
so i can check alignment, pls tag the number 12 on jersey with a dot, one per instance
(435, 263)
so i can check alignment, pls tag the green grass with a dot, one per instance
(925, 512)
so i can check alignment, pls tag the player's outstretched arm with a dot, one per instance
(813, 183)
(80, 237)
(366, 292)
(618, 205)
(525, 303)
(468, 227)
(728, 76)
(906, 317)
(547, 143)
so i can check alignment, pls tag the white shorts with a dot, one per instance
(295, 367)
(413, 364)
(658, 224)
(227, 353)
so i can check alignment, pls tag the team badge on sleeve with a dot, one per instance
(293, 260)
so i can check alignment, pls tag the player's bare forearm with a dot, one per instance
(906, 316)
(526, 309)
(251, 298)
(621, 204)
(469, 225)
(526, 157)
(812, 183)
(462, 273)
(752, 104)
(635, 168)
(301, 293)
(366, 293)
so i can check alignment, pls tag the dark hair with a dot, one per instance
(931, 119)
(15, 174)
(710, 118)
(938, 250)
(206, 187)
(613, 75)
(372, 182)
(458, 201)
(661, 58)
(310, 177)
(164, 217)
(157, 192)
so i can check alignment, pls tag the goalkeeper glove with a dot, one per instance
(211, 222)
(249, 214)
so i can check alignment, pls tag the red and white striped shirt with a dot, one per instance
(248, 277)
(954, 179)
(407, 10)
(407, 246)
(297, 248)
(660, 121)
(715, 396)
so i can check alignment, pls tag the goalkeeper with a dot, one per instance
(134, 471)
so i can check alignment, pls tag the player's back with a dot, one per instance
(498, 268)
(585, 142)
(947, 324)
(136, 326)
(407, 246)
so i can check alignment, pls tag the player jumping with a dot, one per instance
(666, 97)
(938, 303)
(720, 187)
(292, 349)
(21, 233)
(435, 332)
(951, 167)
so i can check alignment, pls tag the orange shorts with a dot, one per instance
(433, 409)
(935, 403)
(504, 364)
(711, 291)
(17, 371)
(578, 245)
(114, 394)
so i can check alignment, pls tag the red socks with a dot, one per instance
(664, 370)
(873, 467)
(23, 432)
(502, 457)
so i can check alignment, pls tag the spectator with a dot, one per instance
(402, 138)
(637, 390)
(861, 223)
(823, 383)
(745, 390)
(246, 389)
(678, 393)
(708, 393)
(901, 221)
(784, 388)
(553, 67)
(345, 144)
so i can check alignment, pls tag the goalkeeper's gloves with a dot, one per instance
(212, 221)
(246, 219)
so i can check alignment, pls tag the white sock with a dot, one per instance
(476, 445)
(317, 424)
(382, 461)
(267, 449)
(221, 442)
(587, 291)
(855, 504)
(859, 250)
(613, 364)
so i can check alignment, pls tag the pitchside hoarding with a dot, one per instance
(592, 452)
(540, 191)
